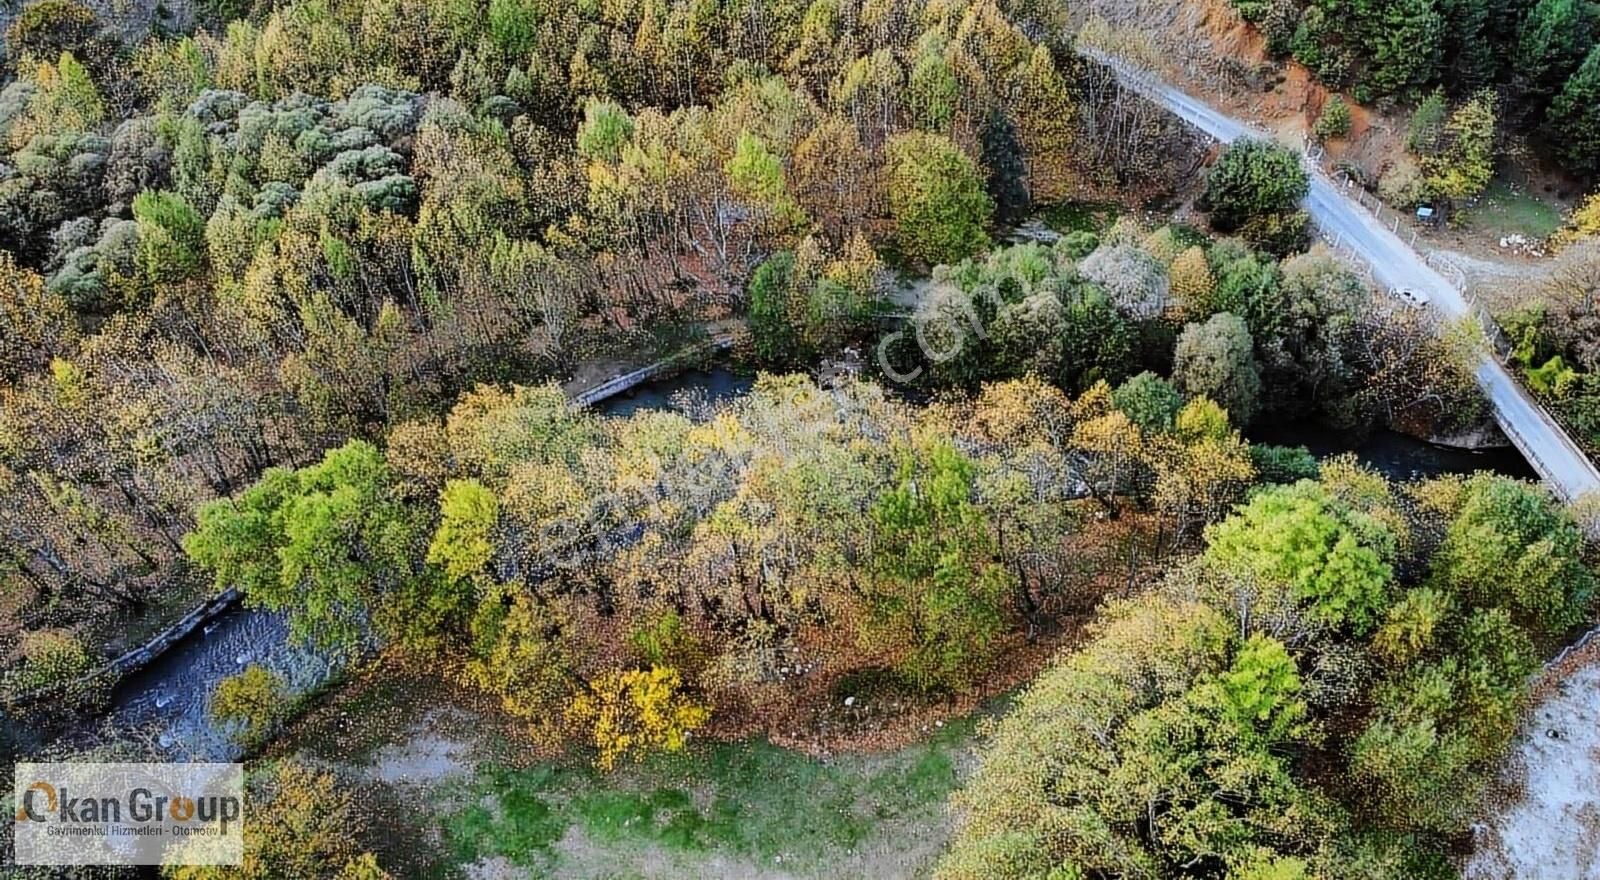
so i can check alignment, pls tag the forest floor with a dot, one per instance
(1545, 817)
(496, 808)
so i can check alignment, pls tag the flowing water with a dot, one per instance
(169, 696)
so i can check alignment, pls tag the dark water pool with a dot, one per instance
(692, 387)
(1395, 455)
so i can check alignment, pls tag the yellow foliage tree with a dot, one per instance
(1203, 470)
(299, 822)
(1193, 286)
(521, 657)
(1162, 244)
(633, 712)
(1583, 223)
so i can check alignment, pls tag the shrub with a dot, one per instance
(256, 699)
(50, 657)
(634, 712)
(50, 27)
(1335, 119)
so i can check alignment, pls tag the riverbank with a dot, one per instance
(1544, 816)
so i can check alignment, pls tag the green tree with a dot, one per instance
(1509, 546)
(772, 330)
(1253, 179)
(1425, 129)
(1332, 560)
(934, 90)
(328, 543)
(756, 174)
(1550, 44)
(606, 129)
(1216, 360)
(1097, 342)
(937, 199)
(172, 236)
(1150, 401)
(1113, 762)
(937, 589)
(1405, 49)
(1575, 117)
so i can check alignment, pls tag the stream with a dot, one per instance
(168, 698)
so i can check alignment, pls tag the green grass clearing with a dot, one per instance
(748, 802)
(1080, 216)
(1506, 209)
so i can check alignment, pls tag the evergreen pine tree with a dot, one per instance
(1550, 44)
(1575, 117)
(1406, 53)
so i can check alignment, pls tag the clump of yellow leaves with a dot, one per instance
(634, 712)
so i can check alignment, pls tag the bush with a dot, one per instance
(50, 27)
(1283, 464)
(1335, 119)
(256, 699)
(635, 712)
(1252, 10)
(50, 657)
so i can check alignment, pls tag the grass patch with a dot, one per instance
(518, 822)
(1080, 216)
(1508, 209)
(747, 800)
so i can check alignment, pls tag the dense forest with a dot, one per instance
(1537, 62)
(286, 305)
(241, 248)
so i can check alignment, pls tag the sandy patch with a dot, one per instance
(495, 868)
(423, 758)
(1548, 828)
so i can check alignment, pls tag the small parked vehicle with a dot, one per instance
(1415, 297)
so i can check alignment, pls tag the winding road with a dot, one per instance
(1396, 265)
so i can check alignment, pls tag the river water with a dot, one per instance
(169, 697)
